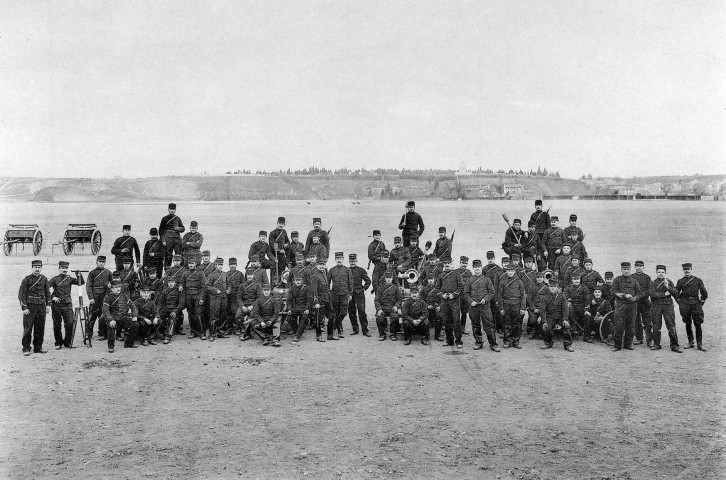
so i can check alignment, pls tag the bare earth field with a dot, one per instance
(359, 408)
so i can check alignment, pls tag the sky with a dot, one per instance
(138, 88)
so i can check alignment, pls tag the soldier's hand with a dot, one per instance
(124, 250)
(317, 306)
(667, 294)
(501, 312)
(539, 319)
(134, 319)
(588, 314)
(201, 301)
(546, 254)
(306, 312)
(26, 311)
(148, 322)
(56, 300)
(566, 324)
(438, 309)
(522, 312)
(163, 242)
(112, 324)
(172, 314)
(473, 304)
(378, 313)
(151, 254)
(536, 310)
(91, 301)
(262, 324)
(430, 307)
(400, 321)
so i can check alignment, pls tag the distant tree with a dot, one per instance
(589, 176)
(539, 171)
(583, 177)
(544, 172)
(557, 175)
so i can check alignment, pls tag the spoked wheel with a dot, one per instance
(96, 241)
(67, 245)
(37, 242)
(7, 247)
(607, 328)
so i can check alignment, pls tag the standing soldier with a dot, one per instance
(577, 296)
(554, 317)
(261, 250)
(34, 296)
(388, 305)
(627, 292)
(443, 245)
(590, 277)
(411, 223)
(176, 271)
(99, 281)
(478, 292)
(207, 267)
(318, 249)
(154, 253)
(432, 297)
(563, 263)
(415, 253)
(642, 317)
(537, 294)
(692, 295)
(171, 303)
(450, 285)
(321, 234)
(129, 279)
(597, 308)
(321, 300)
(194, 282)
(298, 267)
(217, 295)
(249, 291)
(357, 304)
(116, 306)
(554, 238)
(301, 304)
(513, 302)
(341, 292)
(662, 292)
(155, 285)
(279, 243)
(494, 271)
(124, 247)
(375, 249)
(415, 318)
(258, 273)
(513, 239)
(573, 270)
(148, 317)
(62, 306)
(293, 248)
(400, 257)
(170, 228)
(573, 228)
(431, 269)
(310, 268)
(192, 243)
(532, 246)
(578, 248)
(541, 219)
(235, 278)
(607, 288)
(465, 276)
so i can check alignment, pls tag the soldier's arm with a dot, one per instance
(654, 292)
(137, 252)
(23, 294)
(467, 292)
(116, 248)
(702, 290)
(179, 225)
(198, 242)
(421, 226)
(366, 280)
(522, 297)
(377, 300)
(459, 286)
(350, 281)
(106, 308)
(489, 291)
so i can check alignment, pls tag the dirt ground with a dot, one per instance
(360, 408)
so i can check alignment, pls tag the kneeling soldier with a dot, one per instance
(388, 304)
(171, 303)
(116, 308)
(248, 292)
(554, 318)
(265, 318)
(148, 315)
(62, 306)
(415, 318)
(478, 292)
(301, 304)
(34, 296)
(432, 296)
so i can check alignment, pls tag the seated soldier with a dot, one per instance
(171, 303)
(154, 284)
(148, 317)
(249, 291)
(119, 312)
(265, 318)
(388, 304)
(415, 318)
(597, 308)
(129, 279)
(432, 296)
(301, 304)
(554, 318)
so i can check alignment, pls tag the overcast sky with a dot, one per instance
(139, 88)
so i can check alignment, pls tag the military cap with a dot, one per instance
(410, 203)
(151, 270)
(36, 263)
(353, 256)
(339, 255)
(385, 253)
(554, 217)
(171, 280)
(192, 259)
(317, 220)
(505, 258)
(266, 286)
(511, 266)
(250, 270)
(639, 263)
(294, 234)
(528, 257)
(609, 275)
(575, 258)
(573, 217)
(146, 288)
(490, 254)
(464, 259)
(567, 244)
(153, 231)
(428, 244)
(442, 229)
(597, 289)
(262, 232)
(538, 202)
(531, 223)
(476, 263)
(625, 265)
(414, 288)
(376, 232)
(254, 258)
(280, 219)
(321, 261)
(576, 276)
(172, 206)
(446, 259)
(126, 227)
(63, 264)
(116, 282)
(311, 254)
(517, 220)
(660, 267)
(219, 261)
(413, 237)
(539, 274)
(193, 223)
(686, 265)
(587, 260)
(299, 256)
(232, 261)
(516, 256)
(127, 260)
(176, 257)
(573, 234)
(397, 239)
(388, 274)
(206, 253)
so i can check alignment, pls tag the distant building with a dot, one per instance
(515, 190)
(462, 170)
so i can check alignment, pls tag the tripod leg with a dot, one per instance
(76, 318)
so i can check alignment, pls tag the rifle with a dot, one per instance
(369, 260)
(423, 258)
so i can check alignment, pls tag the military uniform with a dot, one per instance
(116, 308)
(293, 248)
(692, 295)
(171, 303)
(625, 309)
(464, 307)
(570, 229)
(341, 292)
(265, 309)
(553, 318)
(217, 294)
(415, 310)
(411, 224)
(147, 312)
(563, 262)
(443, 246)
(536, 301)
(513, 239)
(662, 291)
(322, 236)
(591, 278)
(129, 282)
(247, 293)
(571, 272)
(375, 249)
(192, 245)
(450, 283)
(261, 250)
(357, 304)
(235, 278)
(577, 296)
(97, 285)
(512, 299)
(642, 317)
(400, 256)
(480, 290)
(128, 243)
(62, 309)
(578, 250)
(594, 313)
(532, 246)
(154, 253)
(554, 238)
(387, 303)
(301, 301)
(34, 296)
(541, 220)
(170, 229)
(319, 283)
(494, 271)
(432, 297)
(194, 283)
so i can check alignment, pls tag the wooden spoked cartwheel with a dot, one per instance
(80, 234)
(607, 327)
(20, 235)
(96, 241)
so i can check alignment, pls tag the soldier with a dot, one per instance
(513, 239)
(431, 268)
(341, 293)
(170, 228)
(578, 249)
(293, 248)
(411, 223)
(322, 235)
(175, 270)
(265, 318)
(124, 247)
(443, 245)
(357, 304)
(207, 267)
(573, 228)
(692, 295)
(62, 306)
(577, 296)
(415, 318)
(662, 291)
(298, 267)
(378, 272)
(321, 301)
(248, 291)
(528, 274)
(597, 308)
(116, 307)
(258, 273)
(148, 317)
(317, 248)
(235, 278)
(279, 243)
(554, 238)
(494, 271)
(388, 305)
(513, 302)
(642, 317)
(99, 281)
(541, 220)
(536, 303)
(154, 253)
(310, 268)
(626, 291)
(129, 279)
(573, 270)
(171, 302)
(400, 257)
(563, 263)
(591, 278)
(607, 293)
(217, 295)
(532, 246)
(451, 286)
(478, 292)
(301, 304)
(465, 276)
(415, 253)
(192, 243)
(194, 282)
(432, 297)
(554, 318)
(375, 249)
(34, 296)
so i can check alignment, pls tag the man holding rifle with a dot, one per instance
(411, 223)
(62, 305)
(541, 219)
(170, 229)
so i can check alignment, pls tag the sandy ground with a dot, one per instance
(359, 408)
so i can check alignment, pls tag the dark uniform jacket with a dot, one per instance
(266, 309)
(155, 285)
(117, 306)
(450, 282)
(541, 221)
(379, 274)
(129, 280)
(532, 244)
(431, 295)
(279, 237)
(126, 242)
(578, 250)
(319, 284)
(374, 251)
(261, 249)
(569, 230)
(234, 280)
(411, 222)
(430, 271)
(689, 288)
(415, 254)
(61, 285)
(195, 241)
(626, 284)
(511, 238)
(644, 282)
(556, 309)
(658, 289)
(536, 296)
(301, 298)
(598, 308)
(570, 272)
(577, 295)
(171, 300)
(493, 271)
(34, 290)
(170, 226)
(292, 249)
(591, 279)
(511, 292)
(320, 250)
(478, 288)
(147, 308)
(98, 281)
(341, 280)
(387, 297)
(528, 278)
(414, 310)
(553, 238)
(322, 238)
(443, 248)
(217, 283)
(361, 281)
(194, 282)
(157, 248)
(248, 292)
(400, 258)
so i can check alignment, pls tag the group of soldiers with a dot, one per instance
(546, 282)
